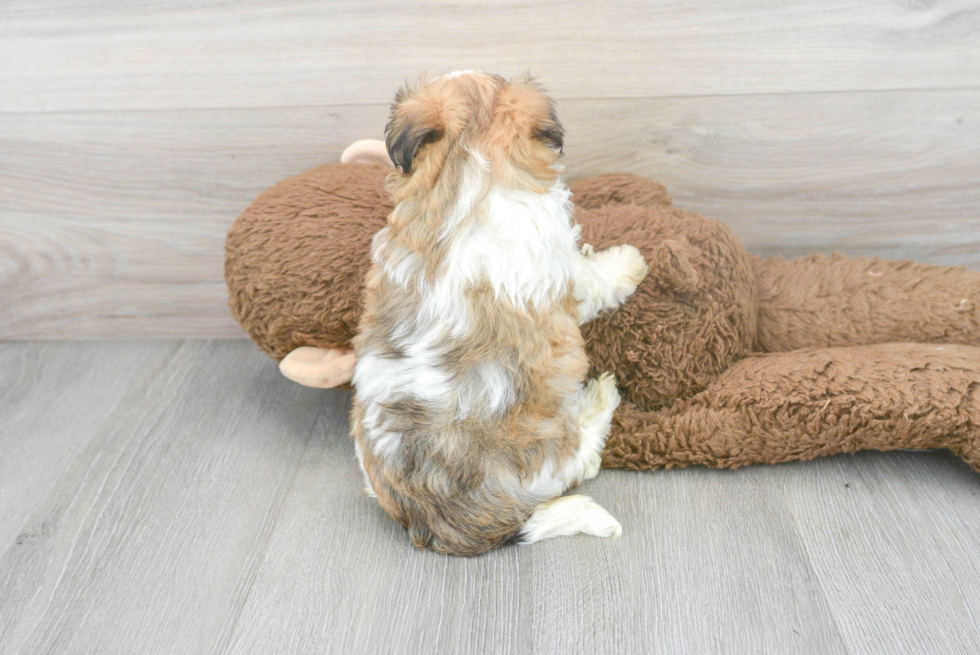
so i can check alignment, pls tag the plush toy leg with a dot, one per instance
(319, 367)
(366, 151)
(822, 301)
(806, 404)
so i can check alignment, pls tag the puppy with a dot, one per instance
(471, 416)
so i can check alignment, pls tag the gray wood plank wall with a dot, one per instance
(132, 134)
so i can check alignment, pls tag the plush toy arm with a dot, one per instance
(811, 403)
(822, 301)
(618, 189)
(322, 368)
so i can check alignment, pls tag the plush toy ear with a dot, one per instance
(366, 151)
(413, 124)
(671, 266)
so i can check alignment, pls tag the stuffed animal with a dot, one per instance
(724, 359)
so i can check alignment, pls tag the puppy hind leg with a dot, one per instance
(597, 402)
(605, 279)
(570, 515)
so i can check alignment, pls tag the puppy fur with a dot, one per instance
(472, 416)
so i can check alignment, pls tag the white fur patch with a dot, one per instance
(546, 483)
(595, 406)
(384, 443)
(598, 401)
(526, 247)
(569, 515)
(418, 374)
(489, 389)
(522, 243)
(458, 73)
(605, 279)
(368, 489)
(397, 263)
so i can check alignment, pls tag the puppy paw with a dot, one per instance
(601, 523)
(600, 398)
(627, 269)
(591, 465)
(615, 274)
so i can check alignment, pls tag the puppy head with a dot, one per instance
(509, 127)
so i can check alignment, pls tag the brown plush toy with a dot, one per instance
(723, 358)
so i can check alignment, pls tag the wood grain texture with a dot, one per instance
(147, 542)
(113, 223)
(709, 562)
(48, 418)
(353, 583)
(888, 536)
(103, 55)
(219, 509)
(888, 174)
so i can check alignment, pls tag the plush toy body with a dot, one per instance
(724, 359)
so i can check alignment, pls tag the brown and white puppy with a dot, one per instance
(471, 416)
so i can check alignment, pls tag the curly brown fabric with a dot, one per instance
(295, 259)
(810, 403)
(723, 359)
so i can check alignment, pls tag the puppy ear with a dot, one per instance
(403, 143)
(552, 132)
(411, 126)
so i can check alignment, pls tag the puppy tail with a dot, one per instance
(566, 516)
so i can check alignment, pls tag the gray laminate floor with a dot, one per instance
(182, 497)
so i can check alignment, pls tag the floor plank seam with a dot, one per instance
(99, 495)
(57, 482)
(224, 642)
(813, 572)
(959, 586)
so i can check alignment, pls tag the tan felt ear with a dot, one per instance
(321, 368)
(366, 151)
